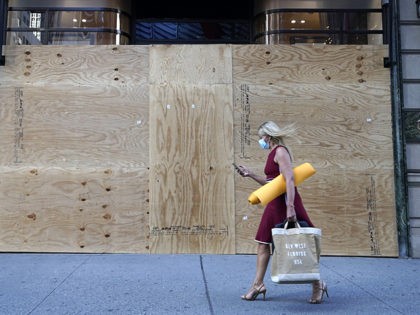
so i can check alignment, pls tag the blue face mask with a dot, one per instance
(264, 145)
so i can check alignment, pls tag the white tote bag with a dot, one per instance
(296, 254)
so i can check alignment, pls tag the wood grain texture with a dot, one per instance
(75, 121)
(343, 129)
(110, 65)
(87, 126)
(53, 209)
(74, 132)
(191, 64)
(277, 64)
(355, 212)
(358, 130)
(191, 183)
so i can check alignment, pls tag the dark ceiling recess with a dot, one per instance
(180, 9)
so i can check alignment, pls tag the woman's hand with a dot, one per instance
(246, 172)
(243, 171)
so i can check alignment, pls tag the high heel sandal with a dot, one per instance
(318, 291)
(254, 292)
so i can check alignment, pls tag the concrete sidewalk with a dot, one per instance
(197, 284)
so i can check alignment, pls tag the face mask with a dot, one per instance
(264, 145)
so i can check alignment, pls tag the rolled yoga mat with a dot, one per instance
(277, 186)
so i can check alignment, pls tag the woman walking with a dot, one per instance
(288, 206)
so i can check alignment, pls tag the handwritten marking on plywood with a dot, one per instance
(19, 113)
(245, 131)
(191, 186)
(8, 119)
(372, 217)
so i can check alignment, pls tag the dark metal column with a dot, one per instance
(3, 26)
(401, 189)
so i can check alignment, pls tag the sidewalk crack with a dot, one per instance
(206, 286)
(60, 284)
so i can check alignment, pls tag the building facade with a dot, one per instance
(392, 22)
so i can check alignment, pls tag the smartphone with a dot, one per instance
(236, 167)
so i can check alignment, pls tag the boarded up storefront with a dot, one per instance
(130, 148)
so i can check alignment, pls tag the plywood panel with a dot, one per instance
(74, 131)
(191, 185)
(90, 65)
(344, 130)
(52, 209)
(191, 64)
(326, 64)
(84, 126)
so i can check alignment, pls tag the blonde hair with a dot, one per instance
(276, 133)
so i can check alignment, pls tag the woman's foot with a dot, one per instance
(318, 289)
(254, 292)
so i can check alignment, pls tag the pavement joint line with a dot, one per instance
(60, 284)
(206, 286)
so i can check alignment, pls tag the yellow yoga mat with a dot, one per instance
(277, 186)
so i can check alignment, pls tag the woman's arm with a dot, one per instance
(282, 158)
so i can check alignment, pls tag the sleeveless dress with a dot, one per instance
(276, 210)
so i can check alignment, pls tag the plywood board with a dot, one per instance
(191, 64)
(326, 64)
(74, 131)
(90, 65)
(344, 130)
(53, 209)
(101, 125)
(191, 183)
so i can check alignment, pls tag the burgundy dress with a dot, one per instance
(276, 210)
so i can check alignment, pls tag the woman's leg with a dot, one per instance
(263, 257)
(319, 287)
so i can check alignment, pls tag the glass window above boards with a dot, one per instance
(331, 27)
(192, 31)
(66, 26)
